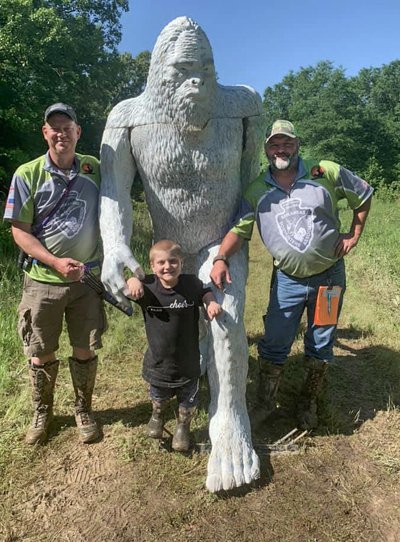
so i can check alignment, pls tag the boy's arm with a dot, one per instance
(213, 308)
(135, 287)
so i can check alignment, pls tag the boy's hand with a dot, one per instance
(214, 309)
(135, 288)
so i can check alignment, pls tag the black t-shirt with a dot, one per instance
(171, 318)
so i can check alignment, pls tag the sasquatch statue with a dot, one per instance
(196, 145)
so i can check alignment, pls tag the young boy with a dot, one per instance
(170, 303)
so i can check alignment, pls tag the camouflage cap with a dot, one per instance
(60, 108)
(282, 127)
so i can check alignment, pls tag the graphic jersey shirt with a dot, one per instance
(171, 317)
(300, 228)
(73, 230)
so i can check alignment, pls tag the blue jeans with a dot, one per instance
(289, 298)
(187, 395)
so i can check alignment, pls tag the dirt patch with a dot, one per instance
(334, 491)
(342, 487)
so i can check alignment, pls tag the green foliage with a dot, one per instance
(60, 50)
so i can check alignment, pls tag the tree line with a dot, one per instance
(60, 50)
(66, 50)
(351, 120)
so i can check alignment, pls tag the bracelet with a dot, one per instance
(221, 258)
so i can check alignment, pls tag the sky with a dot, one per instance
(258, 42)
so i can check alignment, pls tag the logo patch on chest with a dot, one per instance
(295, 224)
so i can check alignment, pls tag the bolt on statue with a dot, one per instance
(195, 144)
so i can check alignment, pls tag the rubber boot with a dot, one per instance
(83, 375)
(181, 438)
(269, 377)
(43, 379)
(307, 407)
(155, 427)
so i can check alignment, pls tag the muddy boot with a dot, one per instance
(268, 383)
(155, 426)
(181, 438)
(83, 375)
(307, 406)
(43, 379)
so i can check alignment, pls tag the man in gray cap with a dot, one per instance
(294, 204)
(53, 209)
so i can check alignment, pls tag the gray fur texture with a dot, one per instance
(196, 145)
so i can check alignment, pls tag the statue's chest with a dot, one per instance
(162, 152)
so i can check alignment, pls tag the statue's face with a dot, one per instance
(190, 67)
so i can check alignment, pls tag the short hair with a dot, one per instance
(166, 245)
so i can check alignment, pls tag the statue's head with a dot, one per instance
(182, 63)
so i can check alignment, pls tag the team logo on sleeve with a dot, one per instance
(87, 168)
(317, 172)
(295, 224)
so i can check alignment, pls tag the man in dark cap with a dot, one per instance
(53, 209)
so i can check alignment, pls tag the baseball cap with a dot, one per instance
(60, 108)
(282, 127)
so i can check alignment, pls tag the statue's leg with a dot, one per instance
(233, 461)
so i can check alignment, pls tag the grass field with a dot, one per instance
(343, 485)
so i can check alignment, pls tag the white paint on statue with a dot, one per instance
(196, 145)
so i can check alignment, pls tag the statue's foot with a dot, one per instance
(233, 461)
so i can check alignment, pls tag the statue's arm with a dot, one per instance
(253, 136)
(118, 170)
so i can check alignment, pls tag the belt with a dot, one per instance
(91, 265)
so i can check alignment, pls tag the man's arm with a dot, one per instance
(67, 267)
(231, 244)
(348, 241)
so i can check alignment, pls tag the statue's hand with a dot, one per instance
(112, 275)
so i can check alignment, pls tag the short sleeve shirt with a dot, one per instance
(171, 318)
(300, 228)
(73, 230)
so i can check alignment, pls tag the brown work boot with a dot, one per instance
(43, 379)
(269, 377)
(307, 414)
(181, 438)
(155, 427)
(83, 375)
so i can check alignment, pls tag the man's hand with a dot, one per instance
(69, 268)
(345, 243)
(220, 274)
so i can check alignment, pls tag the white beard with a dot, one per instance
(282, 163)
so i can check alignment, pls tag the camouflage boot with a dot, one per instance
(83, 375)
(269, 377)
(181, 438)
(155, 427)
(313, 381)
(43, 379)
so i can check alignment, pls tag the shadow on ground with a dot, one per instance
(360, 382)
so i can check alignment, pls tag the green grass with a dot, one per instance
(370, 314)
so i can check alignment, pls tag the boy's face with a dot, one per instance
(167, 267)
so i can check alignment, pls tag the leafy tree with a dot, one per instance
(354, 121)
(322, 104)
(60, 50)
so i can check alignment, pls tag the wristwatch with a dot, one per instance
(221, 258)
